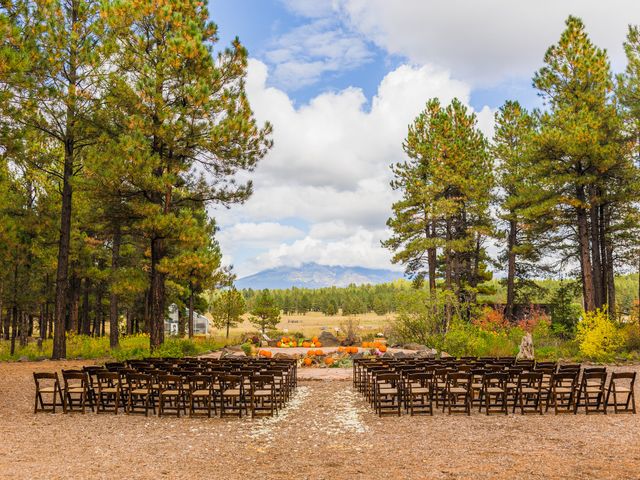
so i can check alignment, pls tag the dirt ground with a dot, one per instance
(326, 432)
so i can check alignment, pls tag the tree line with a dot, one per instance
(556, 188)
(121, 122)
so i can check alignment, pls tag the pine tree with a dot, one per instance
(264, 311)
(516, 194)
(53, 91)
(227, 309)
(446, 187)
(581, 160)
(189, 127)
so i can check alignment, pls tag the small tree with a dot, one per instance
(265, 313)
(227, 309)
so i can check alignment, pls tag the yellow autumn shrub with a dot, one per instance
(598, 336)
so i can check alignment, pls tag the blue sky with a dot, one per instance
(340, 80)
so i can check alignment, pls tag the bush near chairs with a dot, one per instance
(193, 386)
(492, 384)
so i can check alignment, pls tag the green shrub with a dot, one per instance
(131, 347)
(598, 336)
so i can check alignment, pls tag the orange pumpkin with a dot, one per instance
(279, 344)
(311, 353)
(328, 361)
(319, 352)
(341, 349)
(382, 348)
(265, 353)
(308, 361)
(317, 344)
(314, 339)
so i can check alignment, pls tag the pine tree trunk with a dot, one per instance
(432, 258)
(129, 322)
(86, 319)
(74, 304)
(98, 316)
(182, 324)
(7, 326)
(585, 254)
(114, 341)
(24, 328)
(191, 312)
(511, 269)
(596, 259)
(14, 327)
(42, 324)
(157, 295)
(2, 327)
(59, 338)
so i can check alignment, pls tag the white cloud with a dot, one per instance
(486, 42)
(302, 55)
(329, 168)
(310, 8)
(362, 248)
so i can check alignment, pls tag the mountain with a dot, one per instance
(312, 275)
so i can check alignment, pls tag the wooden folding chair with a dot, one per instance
(419, 395)
(76, 391)
(231, 395)
(172, 397)
(51, 387)
(139, 395)
(458, 393)
(201, 396)
(109, 392)
(621, 386)
(529, 393)
(591, 393)
(494, 393)
(563, 389)
(263, 395)
(387, 394)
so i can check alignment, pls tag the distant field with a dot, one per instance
(314, 322)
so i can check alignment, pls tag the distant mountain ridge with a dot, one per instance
(313, 275)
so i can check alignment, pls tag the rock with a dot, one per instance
(444, 355)
(284, 356)
(429, 353)
(357, 355)
(226, 353)
(415, 346)
(387, 355)
(328, 339)
(23, 359)
(526, 348)
(404, 355)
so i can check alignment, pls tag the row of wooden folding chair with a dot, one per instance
(493, 388)
(259, 387)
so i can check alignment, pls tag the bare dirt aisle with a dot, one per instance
(326, 432)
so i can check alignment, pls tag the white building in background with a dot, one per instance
(200, 322)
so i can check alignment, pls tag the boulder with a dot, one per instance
(415, 346)
(284, 356)
(404, 355)
(226, 353)
(429, 353)
(328, 339)
(526, 348)
(444, 355)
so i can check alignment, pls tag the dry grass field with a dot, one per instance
(326, 432)
(314, 322)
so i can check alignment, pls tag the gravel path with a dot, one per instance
(326, 432)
